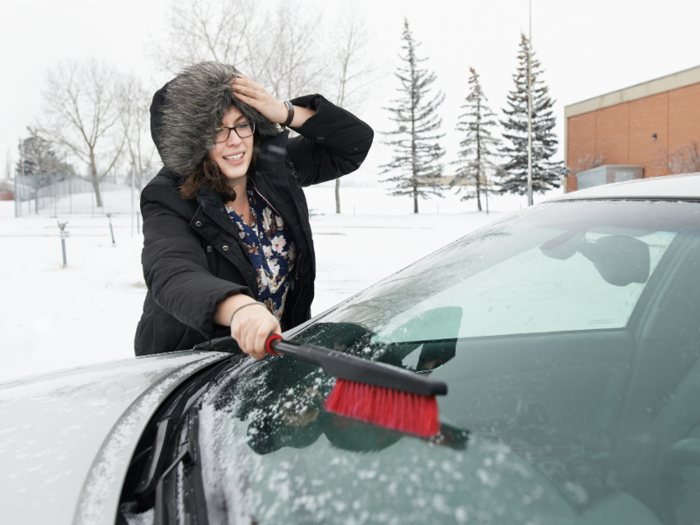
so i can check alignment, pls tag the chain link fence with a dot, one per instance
(33, 196)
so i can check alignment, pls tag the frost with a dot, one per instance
(101, 486)
(577, 492)
(366, 474)
(461, 515)
(488, 478)
(132, 518)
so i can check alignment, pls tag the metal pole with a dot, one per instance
(111, 230)
(138, 212)
(64, 234)
(132, 200)
(17, 196)
(70, 182)
(486, 193)
(21, 168)
(529, 113)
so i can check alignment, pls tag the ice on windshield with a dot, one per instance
(568, 338)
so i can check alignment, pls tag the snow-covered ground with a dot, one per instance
(53, 317)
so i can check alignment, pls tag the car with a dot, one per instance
(568, 335)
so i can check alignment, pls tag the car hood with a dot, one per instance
(66, 438)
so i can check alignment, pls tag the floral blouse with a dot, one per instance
(271, 251)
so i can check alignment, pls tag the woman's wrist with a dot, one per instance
(252, 303)
(226, 308)
(299, 116)
(290, 113)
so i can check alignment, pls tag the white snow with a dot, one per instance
(53, 317)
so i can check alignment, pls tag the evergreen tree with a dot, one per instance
(39, 162)
(477, 148)
(417, 150)
(546, 173)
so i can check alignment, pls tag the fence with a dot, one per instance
(73, 195)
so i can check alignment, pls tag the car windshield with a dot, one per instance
(568, 335)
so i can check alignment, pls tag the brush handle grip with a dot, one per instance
(351, 368)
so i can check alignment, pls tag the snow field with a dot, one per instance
(53, 317)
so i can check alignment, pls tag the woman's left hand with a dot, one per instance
(253, 94)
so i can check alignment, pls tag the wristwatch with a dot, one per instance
(290, 113)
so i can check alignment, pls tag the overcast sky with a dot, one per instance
(587, 48)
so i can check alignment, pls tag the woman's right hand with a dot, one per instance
(250, 326)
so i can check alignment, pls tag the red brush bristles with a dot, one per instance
(386, 407)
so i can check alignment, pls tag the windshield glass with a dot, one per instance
(569, 337)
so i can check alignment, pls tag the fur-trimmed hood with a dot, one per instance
(186, 111)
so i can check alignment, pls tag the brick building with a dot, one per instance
(651, 129)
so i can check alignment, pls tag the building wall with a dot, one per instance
(623, 133)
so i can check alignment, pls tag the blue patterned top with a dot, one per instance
(271, 251)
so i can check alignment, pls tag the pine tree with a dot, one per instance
(546, 173)
(417, 150)
(39, 162)
(477, 148)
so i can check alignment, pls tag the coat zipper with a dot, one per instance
(267, 201)
(298, 262)
(301, 286)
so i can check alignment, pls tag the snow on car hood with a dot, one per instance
(66, 438)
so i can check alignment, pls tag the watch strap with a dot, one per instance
(290, 113)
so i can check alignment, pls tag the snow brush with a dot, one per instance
(370, 391)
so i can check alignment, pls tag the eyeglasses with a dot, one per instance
(243, 130)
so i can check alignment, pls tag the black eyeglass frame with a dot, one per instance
(235, 128)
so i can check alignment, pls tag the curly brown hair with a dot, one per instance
(209, 174)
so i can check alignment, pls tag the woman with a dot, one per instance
(227, 240)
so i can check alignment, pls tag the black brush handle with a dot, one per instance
(351, 368)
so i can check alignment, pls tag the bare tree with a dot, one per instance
(685, 159)
(351, 64)
(218, 30)
(136, 122)
(587, 162)
(278, 47)
(290, 60)
(8, 164)
(81, 114)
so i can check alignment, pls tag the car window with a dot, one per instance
(569, 338)
(529, 293)
(505, 283)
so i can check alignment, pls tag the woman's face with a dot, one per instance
(234, 154)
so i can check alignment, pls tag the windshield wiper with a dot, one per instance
(166, 427)
(193, 499)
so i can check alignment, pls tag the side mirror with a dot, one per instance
(620, 260)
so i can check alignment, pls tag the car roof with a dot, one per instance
(672, 187)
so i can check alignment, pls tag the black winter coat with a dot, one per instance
(193, 257)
